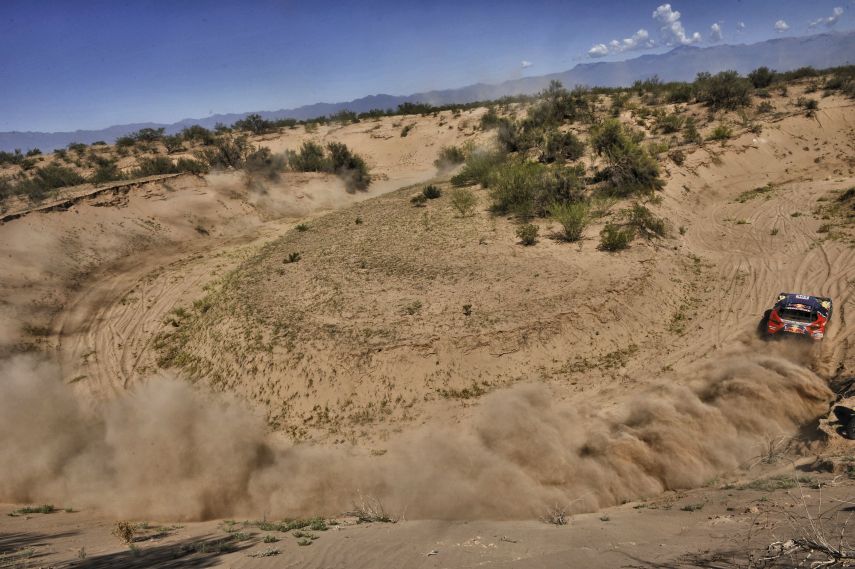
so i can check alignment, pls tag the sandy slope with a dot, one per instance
(598, 329)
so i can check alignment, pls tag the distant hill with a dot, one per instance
(679, 64)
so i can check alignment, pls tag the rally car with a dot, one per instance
(799, 314)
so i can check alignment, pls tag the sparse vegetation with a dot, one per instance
(464, 201)
(614, 237)
(527, 233)
(573, 218)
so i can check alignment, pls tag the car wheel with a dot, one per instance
(850, 429)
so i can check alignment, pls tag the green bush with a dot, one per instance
(255, 124)
(645, 222)
(464, 201)
(406, 130)
(431, 192)
(761, 77)
(613, 237)
(515, 185)
(310, 158)
(158, 165)
(573, 218)
(490, 119)
(107, 172)
(809, 105)
(560, 146)
(11, 158)
(691, 134)
(226, 152)
(765, 107)
(478, 168)
(527, 234)
(630, 169)
(681, 93)
(173, 143)
(725, 90)
(670, 123)
(721, 132)
(197, 133)
(449, 156)
(262, 163)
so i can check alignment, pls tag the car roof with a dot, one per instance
(789, 299)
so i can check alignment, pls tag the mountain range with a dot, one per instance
(679, 64)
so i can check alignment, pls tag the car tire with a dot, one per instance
(850, 429)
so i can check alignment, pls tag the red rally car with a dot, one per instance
(800, 314)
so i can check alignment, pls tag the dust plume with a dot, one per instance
(168, 451)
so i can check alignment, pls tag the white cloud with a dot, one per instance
(526, 64)
(638, 40)
(715, 32)
(781, 26)
(829, 21)
(599, 50)
(672, 28)
(740, 26)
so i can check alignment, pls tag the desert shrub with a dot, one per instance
(255, 124)
(106, 172)
(680, 93)
(99, 143)
(419, 200)
(490, 119)
(338, 159)
(557, 105)
(464, 201)
(527, 234)
(618, 103)
(691, 134)
(450, 156)
(11, 158)
(348, 166)
(310, 158)
(77, 147)
(645, 222)
(262, 163)
(162, 165)
(630, 169)
(34, 152)
(226, 152)
(55, 176)
(677, 157)
(173, 143)
(478, 167)
(560, 146)
(765, 107)
(670, 123)
(809, 105)
(197, 133)
(725, 90)
(614, 237)
(406, 130)
(345, 117)
(148, 135)
(721, 132)
(431, 192)
(761, 77)
(125, 141)
(515, 186)
(573, 218)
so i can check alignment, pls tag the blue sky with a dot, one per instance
(71, 64)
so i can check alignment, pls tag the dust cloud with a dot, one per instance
(167, 451)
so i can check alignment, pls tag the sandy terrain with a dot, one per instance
(430, 363)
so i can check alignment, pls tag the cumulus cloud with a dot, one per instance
(781, 26)
(715, 32)
(672, 29)
(526, 64)
(638, 40)
(828, 21)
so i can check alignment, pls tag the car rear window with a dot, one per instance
(796, 315)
